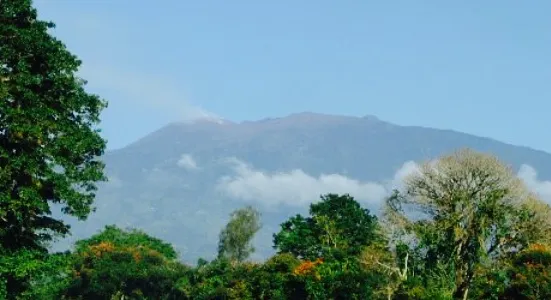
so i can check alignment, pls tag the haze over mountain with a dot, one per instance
(181, 182)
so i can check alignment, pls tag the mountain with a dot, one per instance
(181, 182)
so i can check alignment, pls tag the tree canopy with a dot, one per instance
(235, 239)
(466, 210)
(124, 263)
(49, 140)
(337, 222)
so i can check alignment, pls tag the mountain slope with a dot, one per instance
(181, 182)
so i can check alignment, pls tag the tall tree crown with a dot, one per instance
(49, 143)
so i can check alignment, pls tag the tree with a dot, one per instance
(392, 272)
(127, 238)
(235, 239)
(276, 279)
(48, 273)
(49, 144)
(336, 223)
(466, 210)
(130, 264)
(529, 276)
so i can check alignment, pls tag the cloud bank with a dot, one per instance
(297, 188)
(187, 162)
(530, 177)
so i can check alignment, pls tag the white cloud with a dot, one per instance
(187, 162)
(530, 177)
(407, 169)
(297, 188)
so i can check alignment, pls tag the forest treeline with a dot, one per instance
(462, 226)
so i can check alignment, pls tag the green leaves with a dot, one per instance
(235, 239)
(329, 242)
(32, 272)
(337, 224)
(466, 211)
(49, 144)
(127, 238)
(529, 276)
(125, 263)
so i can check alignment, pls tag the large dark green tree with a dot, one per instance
(337, 224)
(328, 242)
(49, 143)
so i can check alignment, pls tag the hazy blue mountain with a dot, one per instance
(168, 183)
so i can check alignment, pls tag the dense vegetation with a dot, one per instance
(49, 145)
(462, 227)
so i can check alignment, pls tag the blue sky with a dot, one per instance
(481, 67)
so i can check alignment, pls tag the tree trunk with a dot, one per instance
(465, 294)
(462, 291)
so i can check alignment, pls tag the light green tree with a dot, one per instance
(236, 238)
(467, 210)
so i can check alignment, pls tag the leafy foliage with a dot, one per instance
(40, 274)
(48, 140)
(124, 263)
(337, 225)
(127, 238)
(129, 264)
(328, 242)
(465, 211)
(530, 276)
(235, 239)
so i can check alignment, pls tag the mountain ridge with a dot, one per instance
(205, 125)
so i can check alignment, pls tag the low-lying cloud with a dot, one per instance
(187, 162)
(297, 188)
(530, 177)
